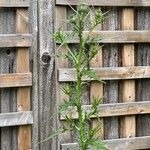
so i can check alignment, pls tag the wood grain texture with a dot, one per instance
(117, 36)
(110, 110)
(23, 94)
(96, 89)
(105, 3)
(15, 80)
(117, 144)
(143, 59)
(15, 40)
(8, 98)
(46, 74)
(108, 73)
(129, 123)
(34, 69)
(14, 3)
(16, 118)
(111, 59)
(61, 18)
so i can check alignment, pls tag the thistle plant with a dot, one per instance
(81, 59)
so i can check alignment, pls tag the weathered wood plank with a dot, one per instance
(22, 66)
(108, 73)
(33, 13)
(61, 17)
(8, 98)
(15, 80)
(14, 3)
(96, 89)
(46, 74)
(142, 55)
(105, 2)
(15, 40)
(117, 36)
(117, 144)
(111, 58)
(128, 124)
(114, 109)
(16, 118)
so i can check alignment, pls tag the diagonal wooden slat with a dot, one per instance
(108, 73)
(117, 36)
(15, 40)
(134, 3)
(117, 144)
(115, 109)
(16, 118)
(14, 3)
(15, 80)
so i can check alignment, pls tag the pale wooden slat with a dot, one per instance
(117, 144)
(14, 3)
(61, 17)
(22, 66)
(15, 40)
(105, 2)
(15, 80)
(108, 73)
(118, 36)
(16, 118)
(114, 109)
(96, 89)
(128, 124)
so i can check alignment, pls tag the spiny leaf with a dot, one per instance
(96, 143)
(64, 107)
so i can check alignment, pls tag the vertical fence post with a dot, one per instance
(129, 124)
(23, 94)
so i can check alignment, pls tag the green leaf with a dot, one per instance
(98, 144)
(92, 75)
(64, 107)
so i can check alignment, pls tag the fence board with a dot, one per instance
(117, 144)
(8, 98)
(105, 3)
(46, 73)
(61, 16)
(117, 36)
(14, 3)
(128, 123)
(116, 109)
(96, 89)
(15, 40)
(111, 59)
(143, 59)
(23, 94)
(16, 118)
(15, 80)
(108, 73)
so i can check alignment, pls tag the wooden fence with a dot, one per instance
(123, 63)
(30, 77)
(16, 41)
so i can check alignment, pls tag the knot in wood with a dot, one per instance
(46, 57)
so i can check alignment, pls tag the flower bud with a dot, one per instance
(83, 9)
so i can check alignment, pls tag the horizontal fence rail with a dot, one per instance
(16, 118)
(107, 73)
(109, 110)
(15, 80)
(135, 3)
(15, 40)
(14, 3)
(117, 144)
(117, 36)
